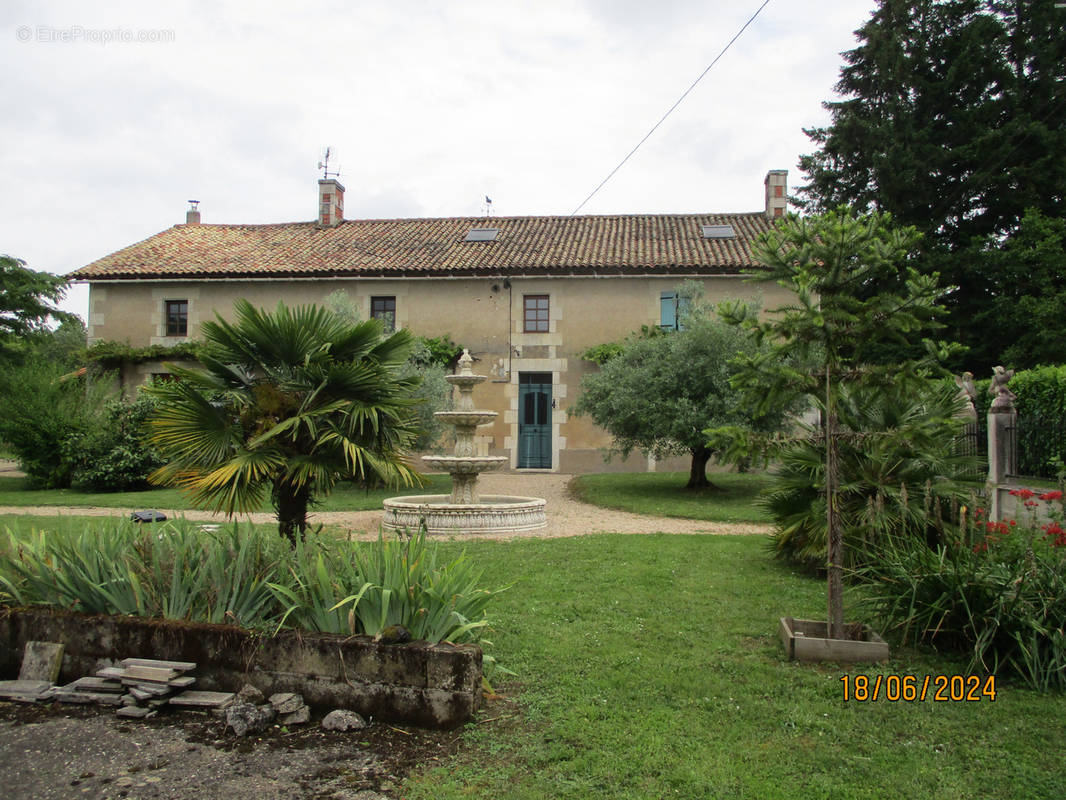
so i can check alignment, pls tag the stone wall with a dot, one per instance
(430, 685)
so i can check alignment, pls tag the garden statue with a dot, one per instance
(968, 394)
(1003, 398)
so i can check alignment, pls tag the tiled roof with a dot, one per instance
(663, 243)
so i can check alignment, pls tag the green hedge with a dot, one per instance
(1041, 418)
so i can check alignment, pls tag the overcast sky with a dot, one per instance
(117, 113)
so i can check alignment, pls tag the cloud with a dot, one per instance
(428, 107)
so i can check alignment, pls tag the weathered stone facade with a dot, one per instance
(590, 279)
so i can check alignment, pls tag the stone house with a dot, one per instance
(526, 295)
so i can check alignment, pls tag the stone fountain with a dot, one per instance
(465, 510)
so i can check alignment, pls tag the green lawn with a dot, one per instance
(346, 497)
(70, 522)
(664, 494)
(649, 667)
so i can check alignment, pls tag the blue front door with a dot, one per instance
(534, 420)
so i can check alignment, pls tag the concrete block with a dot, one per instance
(41, 661)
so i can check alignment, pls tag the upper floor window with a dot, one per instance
(177, 317)
(384, 309)
(536, 313)
(672, 309)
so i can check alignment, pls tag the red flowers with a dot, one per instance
(1054, 529)
(1055, 533)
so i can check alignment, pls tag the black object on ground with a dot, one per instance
(148, 516)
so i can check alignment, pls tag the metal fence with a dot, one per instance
(1034, 441)
(973, 441)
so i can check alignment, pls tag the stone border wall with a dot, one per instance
(430, 685)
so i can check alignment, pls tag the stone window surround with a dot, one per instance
(174, 308)
(160, 296)
(552, 340)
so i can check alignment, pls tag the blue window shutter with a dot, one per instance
(668, 310)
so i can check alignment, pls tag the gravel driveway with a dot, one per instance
(566, 515)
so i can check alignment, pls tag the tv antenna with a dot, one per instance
(324, 166)
(488, 206)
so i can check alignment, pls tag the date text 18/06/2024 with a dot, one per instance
(911, 688)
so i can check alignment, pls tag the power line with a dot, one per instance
(671, 109)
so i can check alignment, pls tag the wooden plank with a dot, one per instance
(150, 674)
(41, 661)
(180, 666)
(785, 632)
(114, 673)
(809, 643)
(195, 699)
(184, 682)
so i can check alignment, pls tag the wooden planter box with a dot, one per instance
(805, 640)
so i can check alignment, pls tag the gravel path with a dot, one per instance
(566, 515)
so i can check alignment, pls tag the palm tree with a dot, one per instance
(291, 401)
(902, 472)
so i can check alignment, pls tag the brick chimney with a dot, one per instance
(330, 203)
(192, 216)
(776, 193)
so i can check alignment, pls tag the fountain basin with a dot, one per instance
(495, 513)
(466, 418)
(464, 465)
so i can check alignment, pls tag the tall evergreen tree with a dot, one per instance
(952, 118)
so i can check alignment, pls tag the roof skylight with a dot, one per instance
(719, 232)
(482, 235)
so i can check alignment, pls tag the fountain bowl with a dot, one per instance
(495, 513)
(466, 418)
(462, 465)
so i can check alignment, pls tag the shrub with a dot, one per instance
(174, 571)
(432, 394)
(247, 577)
(1041, 408)
(41, 409)
(898, 462)
(115, 456)
(335, 588)
(996, 591)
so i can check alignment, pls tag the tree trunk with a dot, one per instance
(697, 474)
(291, 504)
(834, 536)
